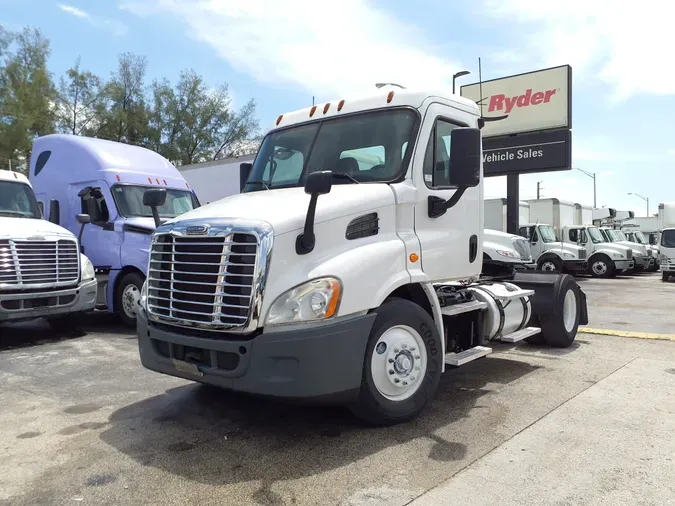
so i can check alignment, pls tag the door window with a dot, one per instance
(93, 203)
(437, 158)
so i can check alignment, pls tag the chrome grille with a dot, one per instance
(629, 254)
(523, 248)
(202, 281)
(582, 254)
(39, 263)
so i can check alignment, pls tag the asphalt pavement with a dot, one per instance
(83, 422)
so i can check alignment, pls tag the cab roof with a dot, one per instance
(8, 175)
(385, 97)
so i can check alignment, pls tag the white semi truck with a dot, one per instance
(327, 279)
(644, 261)
(634, 235)
(42, 272)
(666, 221)
(548, 250)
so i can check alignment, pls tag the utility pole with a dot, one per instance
(539, 188)
(592, 176)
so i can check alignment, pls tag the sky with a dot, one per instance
(284, 52)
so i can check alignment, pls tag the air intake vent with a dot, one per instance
(363, 226)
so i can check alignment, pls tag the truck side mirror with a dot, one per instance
(82, 219)
(244, 171)
(54, 212)
(465, 150)
(317, 183)
(153, 199)
(465, 159)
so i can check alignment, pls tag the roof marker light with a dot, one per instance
(15, 176)
(150, 180)
(341, 103)
(325, 107)
(157, 179)
(164, 182)
(187, 185)
(312, 111)
(279, 119)
(390, 96)
(119, 178)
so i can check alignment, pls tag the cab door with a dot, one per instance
(450, 242)
(101, 242)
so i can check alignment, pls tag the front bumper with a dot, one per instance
(643, 262)
(46, 304)
(321, 362)
(575, 265)
(624, 265)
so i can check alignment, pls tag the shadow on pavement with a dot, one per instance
(213, 436)
(38, 332)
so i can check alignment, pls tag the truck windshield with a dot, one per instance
(129, 200)
(668, 238)
(547, 233)
(595, 235)
(18, 201)
(360, 148)
(640, 238)
(615, 235)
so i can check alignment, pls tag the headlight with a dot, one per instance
(87, 268)
(617, 255)
(506, 253)
(567, 255)
(315, 300)
(144, 295)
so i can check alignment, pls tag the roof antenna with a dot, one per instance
(312, 99)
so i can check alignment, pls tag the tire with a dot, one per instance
(399, 322)
(665, 276)
(545, 264)
(65, 323)
(128, 293)
(559, 327)
(601, 267)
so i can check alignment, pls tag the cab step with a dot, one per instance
(464, 307)
(463, 357)
(521, 334)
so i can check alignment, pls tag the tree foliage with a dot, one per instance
(187, 121)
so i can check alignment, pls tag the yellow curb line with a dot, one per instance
(624, 333)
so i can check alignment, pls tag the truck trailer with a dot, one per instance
(330, 280)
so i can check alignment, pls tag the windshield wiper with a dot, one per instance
(344, 175)
(260, 182)
(15, 214)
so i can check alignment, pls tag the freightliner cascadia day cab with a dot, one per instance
(325, 281)
(42, 272)
(106, 180)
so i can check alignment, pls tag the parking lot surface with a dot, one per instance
(83, 422)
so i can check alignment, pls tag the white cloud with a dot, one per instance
(295, 42)
(74, 11)
(624, 46)
(113, 26)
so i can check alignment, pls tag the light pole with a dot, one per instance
(592, 176)
(646, 199)
(539, 188)
(455, 76)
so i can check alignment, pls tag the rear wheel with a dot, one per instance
(665, 276)
(402, 367)
(128, 297)
(559, 327)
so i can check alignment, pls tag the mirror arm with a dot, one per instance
(155, 216)
(438, 206)
(304, 243)
(79, 237)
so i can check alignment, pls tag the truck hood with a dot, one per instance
(613, 246)
(498, 234)
(637, 248)
(285, 208)
(22, 228)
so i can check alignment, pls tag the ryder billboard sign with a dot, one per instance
(530, 102)
(528, 118)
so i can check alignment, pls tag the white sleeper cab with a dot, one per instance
(343, 277)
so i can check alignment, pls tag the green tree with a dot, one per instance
(27, 93)
(81, 102)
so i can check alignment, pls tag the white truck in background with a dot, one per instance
(644, 261)
(548, 251)
(636, 236)
(42, 272)
(605, 260)
(666, 243)
(326, 280)
(583, 215)
(649, 226)
(217, 179)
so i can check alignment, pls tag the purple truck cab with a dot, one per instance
(74, 175)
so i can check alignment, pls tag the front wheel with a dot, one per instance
(601, 267)
(550, 265)
(665, 276)
(402, 367)
(128, 297)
